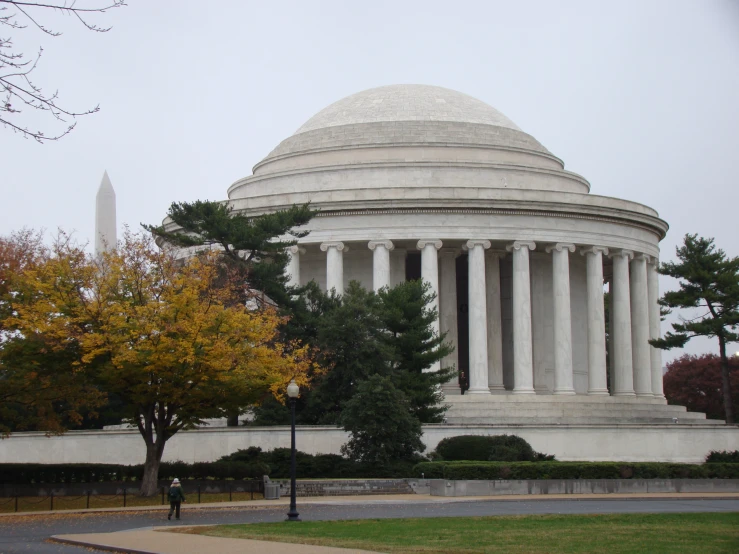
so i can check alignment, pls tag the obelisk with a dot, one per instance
(106, 236)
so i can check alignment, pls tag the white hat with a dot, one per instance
(176, 481)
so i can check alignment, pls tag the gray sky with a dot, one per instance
(640, 97)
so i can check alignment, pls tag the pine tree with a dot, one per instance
(709, 280)
(350, 343)
(381, 424)
(255, 245)
(406, 318)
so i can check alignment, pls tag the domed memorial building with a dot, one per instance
(424, 182)
(415, 181)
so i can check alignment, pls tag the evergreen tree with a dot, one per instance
(381, 424)
(349, 339)
(709, 280)
(407, 320)
(254, 245)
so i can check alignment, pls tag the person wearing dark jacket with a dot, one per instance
(176, 496)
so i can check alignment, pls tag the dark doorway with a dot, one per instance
(463, 323)
(412, 266)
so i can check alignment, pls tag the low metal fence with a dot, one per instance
(43, 496)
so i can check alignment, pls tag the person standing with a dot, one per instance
(176, 497)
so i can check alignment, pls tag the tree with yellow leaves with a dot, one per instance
(164, 334)
(37, 389)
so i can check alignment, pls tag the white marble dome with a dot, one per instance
(407, 103)
(414, 136)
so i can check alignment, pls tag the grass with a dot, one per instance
(37, 504)
(704, 533)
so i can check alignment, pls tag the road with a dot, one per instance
(28, 534)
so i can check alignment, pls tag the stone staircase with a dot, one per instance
(509, 409)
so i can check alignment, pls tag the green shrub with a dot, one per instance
(496, 448)
(510, 448)
(723, 456)
(573, 470)
(251, 454)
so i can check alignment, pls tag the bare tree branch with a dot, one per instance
(18, 93)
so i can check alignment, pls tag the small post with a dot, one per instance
(88, 500)
(198, 493)
(51, 496)
(162, 496)
(124, 497)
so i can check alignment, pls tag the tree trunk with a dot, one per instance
(233, 419)
(726, 382)
(150, 483)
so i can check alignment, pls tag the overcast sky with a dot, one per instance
(640, 97)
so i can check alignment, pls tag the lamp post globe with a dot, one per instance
(292, 392)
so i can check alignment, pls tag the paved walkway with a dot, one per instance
(149, 541)
(158, 542)
(386, 499)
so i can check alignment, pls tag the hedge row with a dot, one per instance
(573, 470)
(723, 456)
(243, 464)
(21, 474)
(319, 466)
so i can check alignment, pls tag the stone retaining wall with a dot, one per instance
(346, 487)
(444, 487)
(595, 443)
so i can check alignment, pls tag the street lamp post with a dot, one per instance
(292, 392)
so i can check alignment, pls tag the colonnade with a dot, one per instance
(636, 367)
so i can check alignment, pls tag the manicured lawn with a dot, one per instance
(704, 533)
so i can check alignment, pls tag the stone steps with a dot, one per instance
(573, 409)
(562, 410)
(516, 420)
(565, 411)
(548, 401)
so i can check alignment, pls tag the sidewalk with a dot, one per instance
(383, 499)
(158, 542)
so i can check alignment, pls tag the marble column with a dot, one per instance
(494, 321)
(563, 379)
(430, 274)
(292, 270)
(597, 376)
(380, 263)
(641, 358)
(478, 317)
(448, 314)
(334, 265)
(523, 364)
(621, 328)
(655, 331)
(611, 326)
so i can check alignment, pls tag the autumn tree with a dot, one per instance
(696, 383)
(38, 389)
(164, 334)
(253, 248)
(709, 282)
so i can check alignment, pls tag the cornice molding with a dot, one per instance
(491, 211)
